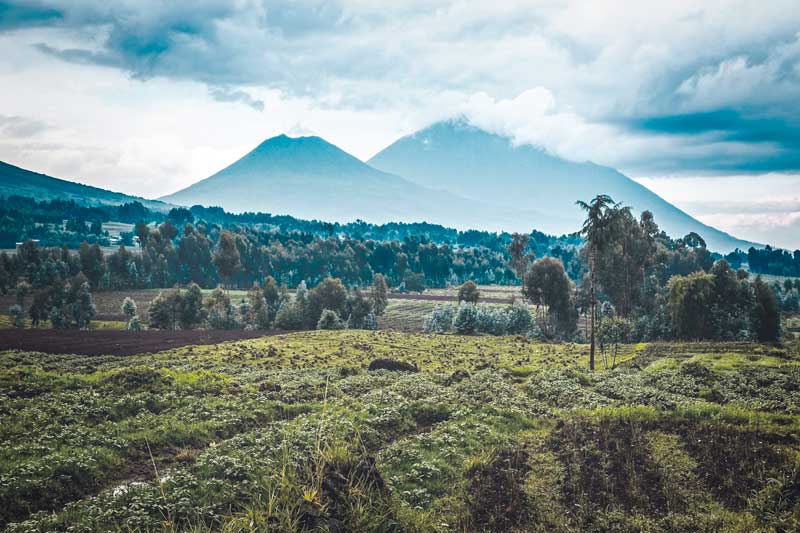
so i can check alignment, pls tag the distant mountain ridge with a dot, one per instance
(308, 177)
(21, 182)
(476, 164)
(450, 173)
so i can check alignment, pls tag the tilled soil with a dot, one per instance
(115, 342)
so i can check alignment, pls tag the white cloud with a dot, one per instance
(176, 91)
(763, 209)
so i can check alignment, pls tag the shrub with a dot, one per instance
(134, 324)
(128, 307)
(221, 313)
(413, 282)
(358, 308)
(57, 320)
(440, 319)
(17, 315)
(291, 316)
(329, 294)
(466, 319)
(164, 310)
(329, 320)
(491, 320)
(191, 312)
(519, 318)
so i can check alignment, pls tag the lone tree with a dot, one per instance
(519, 259)
(469, 292)
(600, 215)
(549, 288)
(379, 294)
(226, 256)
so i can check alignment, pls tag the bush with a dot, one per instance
(519, 318)
(128, 307)
(17, 315)
(491, 320)
(291, 316)
(221, 313)
(57, 320)
(329, 320)
(440, 319)
(413, 282)
(162, 312)
(515, 319)
(134, 324)
(466, 319)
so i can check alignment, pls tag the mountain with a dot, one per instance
(307, 177)
(18, 181)
(476, 164)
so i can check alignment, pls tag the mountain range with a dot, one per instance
(450, 173)
(310, 178)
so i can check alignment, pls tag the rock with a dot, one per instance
(457, 377)
(393, 365)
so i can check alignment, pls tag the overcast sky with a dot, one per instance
(698, 100)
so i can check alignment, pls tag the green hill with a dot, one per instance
(21, 182)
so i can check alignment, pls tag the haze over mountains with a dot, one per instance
(308, 177)
(450, 173)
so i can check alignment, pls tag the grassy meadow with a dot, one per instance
(294, 432)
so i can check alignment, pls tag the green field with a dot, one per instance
(401, 314)
(293, 432)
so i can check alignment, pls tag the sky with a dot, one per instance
(696, 100)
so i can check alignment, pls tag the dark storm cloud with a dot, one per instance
(209, 41)
(778, 135)
(26, 14)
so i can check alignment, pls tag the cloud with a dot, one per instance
(20, 127)
(678, 87)
(763, 209)
(26, 14)
(223, 94)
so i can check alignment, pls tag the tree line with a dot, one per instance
(638, 284)
(329, 305)
(67, 222)
(635, 283)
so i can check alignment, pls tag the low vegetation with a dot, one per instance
(295, 432)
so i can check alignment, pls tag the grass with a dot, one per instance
(292, 432)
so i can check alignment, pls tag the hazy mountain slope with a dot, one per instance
(18, 181)
(308, 177)
(475, 164)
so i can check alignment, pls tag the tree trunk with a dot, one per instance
(593, 306)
